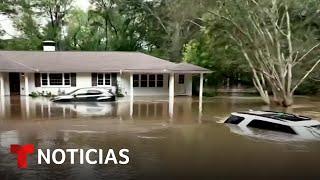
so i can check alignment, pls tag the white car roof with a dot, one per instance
(94, 88)
(291, 119)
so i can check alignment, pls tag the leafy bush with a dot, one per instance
(48, 94)
(120, 94)
(42, 94)
(34, 94)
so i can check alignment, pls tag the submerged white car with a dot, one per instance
(86, 94)
(276, 121)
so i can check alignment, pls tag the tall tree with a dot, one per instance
(277, 41)
(180, 20)
(25, 22)
(215, 50)
(55, 12)
(105, 9)
(168, 25)
(38, 20)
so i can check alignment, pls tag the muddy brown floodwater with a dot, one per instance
(185, 146)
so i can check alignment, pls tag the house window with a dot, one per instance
(100, 79)
(104, 79)
(159, 80)
(136, 80)
(67, 80)
(107, 79)
(181, 79)
(147, 80)
(152, 80)
(55, 79)
(44, 79)
(144, 80)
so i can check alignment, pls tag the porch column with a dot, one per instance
(2, 107)
(131, 95)
(2, 102)
(200, 92)
(171, 94)
(26, 83)
(1, 85)
(171, 86)
(27, 106)
(131, 86)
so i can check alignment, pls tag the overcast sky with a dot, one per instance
(6, 23)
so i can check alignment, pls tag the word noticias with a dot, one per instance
(59, 156)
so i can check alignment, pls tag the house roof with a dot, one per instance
(84, 61)
(187, 67)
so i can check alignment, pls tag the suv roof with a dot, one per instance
(277, 115)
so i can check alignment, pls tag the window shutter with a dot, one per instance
(114, 79)
(94, 79)
(73, 79)
(37, 81)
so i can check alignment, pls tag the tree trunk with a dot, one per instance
(263, 93)
(106, 34)
(287, 100)
(276, 97)
(228, 83)
(176, 43)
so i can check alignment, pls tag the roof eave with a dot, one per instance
(192, 71)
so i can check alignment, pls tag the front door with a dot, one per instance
(14, 83)
(180, 85)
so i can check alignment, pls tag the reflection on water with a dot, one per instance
(259, 134)
(184, 144)
(42, 108)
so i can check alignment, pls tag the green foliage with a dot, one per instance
(34, 94)
(309, 87)
(41, 94)
(175, 30)
(213, 49)
(120, 95)
(210, 93)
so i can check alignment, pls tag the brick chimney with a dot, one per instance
(49, 46)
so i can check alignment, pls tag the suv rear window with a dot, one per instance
(234, 119)
(271, 126)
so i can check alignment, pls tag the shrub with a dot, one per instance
(34, 94)
(120, 94)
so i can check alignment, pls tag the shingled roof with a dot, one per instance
(84, 61)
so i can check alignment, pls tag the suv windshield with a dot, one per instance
(70, 93)
(234, 119)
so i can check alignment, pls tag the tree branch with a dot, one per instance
(308, 52)
(234, 23)
(305, 76)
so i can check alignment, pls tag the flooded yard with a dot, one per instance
(186, 145)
